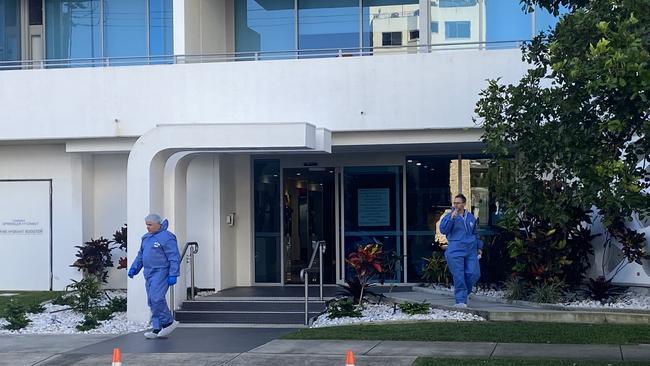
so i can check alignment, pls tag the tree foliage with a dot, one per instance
(574, 132)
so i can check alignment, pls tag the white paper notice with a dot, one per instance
(373, 206)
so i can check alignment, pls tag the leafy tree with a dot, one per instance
(574, 132)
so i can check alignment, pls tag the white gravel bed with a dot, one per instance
(629, 300)
(499, 294)
(55, 320)
(384, 313)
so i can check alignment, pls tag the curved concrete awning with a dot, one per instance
(145, 172)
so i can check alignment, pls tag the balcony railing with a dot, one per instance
(254, 56)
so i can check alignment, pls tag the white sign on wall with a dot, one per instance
(373, 206)
(25, 235)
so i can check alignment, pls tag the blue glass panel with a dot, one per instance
(506, 21)
(328, 24)
(72, 28)
(125, 28)
(161, 37)
(266, 209)
(9, 30)
(373, 211)
(388, 16)
(545, 20)
(264, 25)
(457, 30)
(456, 3)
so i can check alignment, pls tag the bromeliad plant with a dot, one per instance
(94, 258)
(367, 263)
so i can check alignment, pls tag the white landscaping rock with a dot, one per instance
(55, 320)
(629, 300)
(384, 313)
(499, 294)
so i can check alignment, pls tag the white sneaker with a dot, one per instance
(150, 335)
(168, 330)
(459, 305)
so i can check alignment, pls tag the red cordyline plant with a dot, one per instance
(366, 262)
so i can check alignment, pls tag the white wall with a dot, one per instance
(109, 206)
(65, 170)
(228, 244)
(436, 90)
(201, 207)
(243, 228)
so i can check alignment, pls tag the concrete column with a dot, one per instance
(425, 24)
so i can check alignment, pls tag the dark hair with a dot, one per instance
(461, 196)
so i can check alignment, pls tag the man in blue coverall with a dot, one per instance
(464, 249)
(159, 257)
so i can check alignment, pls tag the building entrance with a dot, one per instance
(308, 216)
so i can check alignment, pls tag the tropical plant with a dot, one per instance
(546, 293)
(344, 307)
(515, 289)
(89, 322)
(435, 270)
(573, 134)
(602, 289)
(367, 263)
(94, 257)
(120, 237)
(353, 289)
(117, 304)
(16, 316)
(415, 308)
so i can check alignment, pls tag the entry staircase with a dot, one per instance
(254, 306)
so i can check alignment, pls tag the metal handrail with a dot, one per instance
(249, 55)
(190, 260)
(319, 248)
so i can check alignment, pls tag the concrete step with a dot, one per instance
(272, 306)
(243, 317)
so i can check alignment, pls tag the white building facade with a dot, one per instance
(255, 126)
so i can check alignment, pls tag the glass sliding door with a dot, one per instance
(372, 213)
(72, 29)
(326, 24)
(9, 30)
(309, 216)
(390, 23)
(125, 28)
(265, 25)
(266, 211)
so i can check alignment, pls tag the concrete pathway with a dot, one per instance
(234, 346)
(497, 311)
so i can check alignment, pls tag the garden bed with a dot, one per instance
(60, 319)
(385, 313)
(629, 301)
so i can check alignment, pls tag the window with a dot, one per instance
(387, 16)
(457, 3)
(328, 24)
(35, 12)
(391, 39)
(74, 28)
(9, 30)
(455, 30)
(264, 25)
(506, 21)
(434, 27)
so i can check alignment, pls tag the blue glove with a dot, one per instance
(132, 273)
(171, 280)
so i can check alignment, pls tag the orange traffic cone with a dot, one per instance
(349, 359)
(117, 357)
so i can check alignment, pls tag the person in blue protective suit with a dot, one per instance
(464, 249)
(159, 257)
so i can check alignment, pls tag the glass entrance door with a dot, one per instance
(308, 215)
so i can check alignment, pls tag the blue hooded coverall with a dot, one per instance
(160, 258)
(462, 252)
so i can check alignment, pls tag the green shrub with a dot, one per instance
(64, 300)
(435, 271)
(515, 289)
(345, 307)
(89, 322)
(547, 293)
(35, 309)
(102, 313)
(16, 315)
(415, 308)
(118, 304)
(86, 294)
